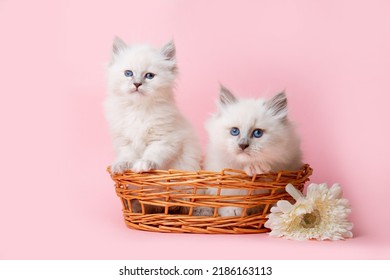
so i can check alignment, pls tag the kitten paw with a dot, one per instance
(252, 170)
(230, 211)
(120, 166)
(256, 169)
(143, 166)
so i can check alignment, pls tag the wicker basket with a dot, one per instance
(172, 188)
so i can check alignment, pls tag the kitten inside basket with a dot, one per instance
(253, 135)
(148, 130)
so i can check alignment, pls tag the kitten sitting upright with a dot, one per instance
(251, 135)
(148, 130)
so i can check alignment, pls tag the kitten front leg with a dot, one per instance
(257, 168)
(120, 165)
(156, 156)
(143, 165)
(125, 155)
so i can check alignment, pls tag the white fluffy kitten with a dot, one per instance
(253, 135)
(147, 128)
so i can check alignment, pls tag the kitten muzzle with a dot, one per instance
(137, 85)
(243, 143)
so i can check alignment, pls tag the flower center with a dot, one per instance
(310, 220)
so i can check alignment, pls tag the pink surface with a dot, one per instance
(58, 202)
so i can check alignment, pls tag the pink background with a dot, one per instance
(58, 202)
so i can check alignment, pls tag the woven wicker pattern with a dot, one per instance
(172, 188)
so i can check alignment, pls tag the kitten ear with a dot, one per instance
(118, 45)
(169, 50)
(278, 105)
(226, 97)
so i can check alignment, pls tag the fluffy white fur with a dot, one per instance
(277, 149)
(148, 130)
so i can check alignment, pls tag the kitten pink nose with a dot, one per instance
(243, 146)
(137, 85)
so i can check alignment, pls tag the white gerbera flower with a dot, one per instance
(321, 215)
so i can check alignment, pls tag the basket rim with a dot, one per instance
(306, 168)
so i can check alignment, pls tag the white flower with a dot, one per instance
(321, 215)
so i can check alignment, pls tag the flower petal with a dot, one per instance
(275, 209)
(284, 206)
(316, 191)
(294, 192)
(291, 220)
(335, 191)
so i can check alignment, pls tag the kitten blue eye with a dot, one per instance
(234, 131)
(149, 76)
(257, 133)
(129, 73)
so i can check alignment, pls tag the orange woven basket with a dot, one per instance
(172, 189)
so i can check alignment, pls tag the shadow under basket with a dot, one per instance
(177, 195)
